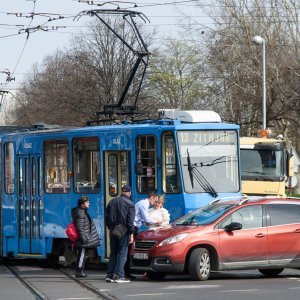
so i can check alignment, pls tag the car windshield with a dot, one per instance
(205, 215)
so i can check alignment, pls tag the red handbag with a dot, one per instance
(72, 233)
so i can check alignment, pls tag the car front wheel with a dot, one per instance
(270, 272)
(199, 264)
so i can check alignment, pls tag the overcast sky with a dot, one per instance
(19, 51)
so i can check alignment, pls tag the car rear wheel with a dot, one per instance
(270, 272)
(156, 276)
(199, 264)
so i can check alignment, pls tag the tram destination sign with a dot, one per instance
(207, 137)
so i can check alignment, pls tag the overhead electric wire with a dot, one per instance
(187, 3)
(22, 51)
(5, 36)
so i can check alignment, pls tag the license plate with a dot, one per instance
(138, 255)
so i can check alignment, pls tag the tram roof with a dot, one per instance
(166, 124)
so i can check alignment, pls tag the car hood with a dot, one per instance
(164, 233)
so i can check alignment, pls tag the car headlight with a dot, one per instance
(173, 239)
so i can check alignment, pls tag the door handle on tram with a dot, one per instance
(259, 235)
(297, 230)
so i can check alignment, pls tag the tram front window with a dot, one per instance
(209, 161)
(171, 180)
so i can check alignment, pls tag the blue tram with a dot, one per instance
(189, 156)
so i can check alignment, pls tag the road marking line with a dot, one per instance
(200, 286)
(158, 294)
(228, 291)
(25, 269)
(294, 288)
(76, 298)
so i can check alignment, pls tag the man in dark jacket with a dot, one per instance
(120, 210)
(88, 235)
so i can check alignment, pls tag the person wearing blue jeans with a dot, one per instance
(120, 212)
(118, 258)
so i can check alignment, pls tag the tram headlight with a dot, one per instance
(173, 239)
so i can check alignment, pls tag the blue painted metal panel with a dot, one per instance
(57, 207)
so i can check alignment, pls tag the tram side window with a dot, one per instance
(113, 175)
(33, 179)
(171, 182)
(9, 168)
(146, 163)
(57, 179)
(40, 178)
(86, 158)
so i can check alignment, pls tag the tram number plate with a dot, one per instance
(138, 255)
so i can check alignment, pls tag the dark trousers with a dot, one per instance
(80, 262)
(127, 265)
(118, 255)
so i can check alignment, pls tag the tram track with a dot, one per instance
(39, 295)
(87, 286)
(26, 283)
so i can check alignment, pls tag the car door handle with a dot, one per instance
(259, 235)
(297, 231)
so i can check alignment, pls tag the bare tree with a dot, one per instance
(175, 80)
(72, 86)
(235, 64)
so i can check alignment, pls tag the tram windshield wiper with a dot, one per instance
(190, 168)
(207, 187)
(201, 180)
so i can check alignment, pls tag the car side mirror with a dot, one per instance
(233, 226)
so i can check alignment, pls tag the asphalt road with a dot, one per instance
(223, 285)
(229, 285)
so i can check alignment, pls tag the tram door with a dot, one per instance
(29, 204)
(116, 170)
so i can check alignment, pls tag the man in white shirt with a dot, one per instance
(142, 216)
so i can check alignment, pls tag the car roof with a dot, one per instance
(250, 200)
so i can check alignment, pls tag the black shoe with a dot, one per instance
(130, 277)
(114, 278)
(109, 278)
(80, 274)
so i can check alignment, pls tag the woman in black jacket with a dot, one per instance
(88, 235)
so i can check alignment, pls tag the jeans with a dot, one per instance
(118, 255)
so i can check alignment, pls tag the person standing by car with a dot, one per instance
(142, 216)
(158, 212)
(119, 219)
(88, 235)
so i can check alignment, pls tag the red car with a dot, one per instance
(248, 233)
